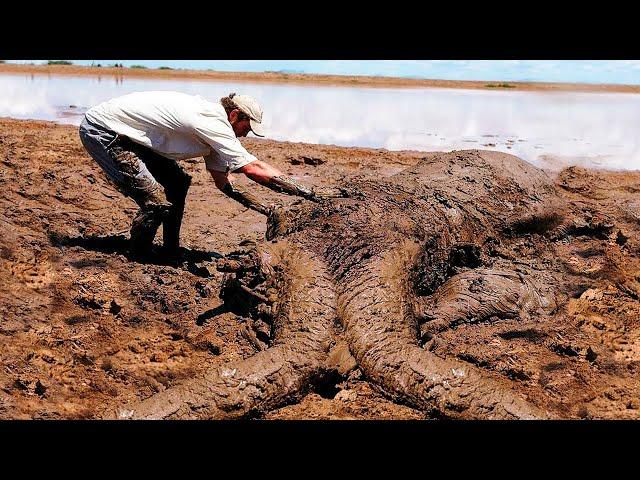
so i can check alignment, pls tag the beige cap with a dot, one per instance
(252, 108)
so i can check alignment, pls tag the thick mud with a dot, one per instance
(447, 285)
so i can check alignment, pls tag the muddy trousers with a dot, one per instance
(156, 183)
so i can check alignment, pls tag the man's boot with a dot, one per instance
(144, 228)
(176, 194)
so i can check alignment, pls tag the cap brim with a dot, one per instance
(256, 128)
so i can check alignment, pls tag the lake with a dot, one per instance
(549, 129)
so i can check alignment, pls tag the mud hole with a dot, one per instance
(88, 333)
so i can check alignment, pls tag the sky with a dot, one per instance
(571, 71)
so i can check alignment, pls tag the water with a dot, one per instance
(549, 129)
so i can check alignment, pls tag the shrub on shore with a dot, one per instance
(165, 68)
(137, 66)
(59, 62)
(499, 85)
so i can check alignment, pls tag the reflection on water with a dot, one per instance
(547, 129)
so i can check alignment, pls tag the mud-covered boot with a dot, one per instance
(171, 255)
(144, 228)
(176, 194)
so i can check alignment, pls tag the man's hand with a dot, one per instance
(270, 177)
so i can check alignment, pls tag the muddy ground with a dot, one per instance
(84, 329)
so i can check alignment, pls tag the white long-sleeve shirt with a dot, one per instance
(176, 125)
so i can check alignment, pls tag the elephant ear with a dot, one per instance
(482, 295)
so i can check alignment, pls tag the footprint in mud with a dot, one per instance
(33, 272)
(627, 346)
(624, 344)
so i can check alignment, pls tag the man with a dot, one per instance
(138, 138)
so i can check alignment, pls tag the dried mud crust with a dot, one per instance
(448, 285)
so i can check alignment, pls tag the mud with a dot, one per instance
(466, 285)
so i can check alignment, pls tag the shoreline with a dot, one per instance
(313, 79)
(547, 165)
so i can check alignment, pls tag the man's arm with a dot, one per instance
(221, 180)
(228, 149)
(269, 176)
(284, 184)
